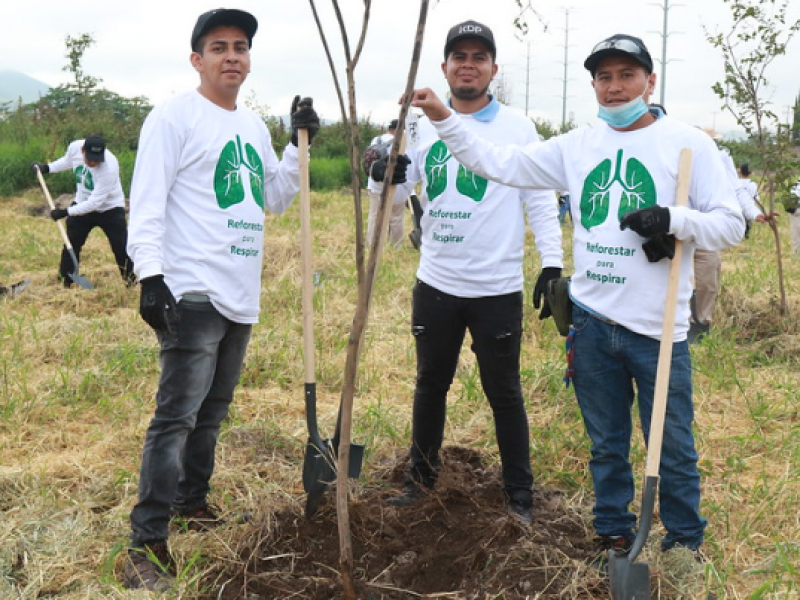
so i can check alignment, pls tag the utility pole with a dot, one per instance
(566, 68)
(664, 35)
(528, 79)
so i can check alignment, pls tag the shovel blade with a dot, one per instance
(356, 460)
(628, 580)
(81, 281)
(319, 470)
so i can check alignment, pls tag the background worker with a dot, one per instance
(622, 180)
(470, 273)
(99, 202)
(794, 217)
(708, 263)
(374, 189)
(205, 172)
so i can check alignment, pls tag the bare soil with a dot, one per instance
(458, 542)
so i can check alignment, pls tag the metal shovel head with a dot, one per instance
(628, 580)
(318, 473)
(81, 281)
(319, 470)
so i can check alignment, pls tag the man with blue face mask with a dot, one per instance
(622, 180)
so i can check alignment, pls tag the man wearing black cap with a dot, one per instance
(621, 176)
(99, 202)
(470, 272)
(374, 189)
(205, 173)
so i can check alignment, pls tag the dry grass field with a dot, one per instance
(78, 374)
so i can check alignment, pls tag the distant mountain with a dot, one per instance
(15, 85)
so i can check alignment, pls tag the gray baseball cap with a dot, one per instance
(617, 44)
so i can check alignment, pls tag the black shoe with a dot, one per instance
(617, 543)
(149, 568)
(202, 518)
(522, 512)
(412, 493)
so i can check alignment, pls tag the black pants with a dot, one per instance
(440, 322)
(113, 224)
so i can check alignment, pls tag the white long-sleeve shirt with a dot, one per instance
(473, 229)
(746, 196)
(97, 189)
(202, 180)
(608, 173)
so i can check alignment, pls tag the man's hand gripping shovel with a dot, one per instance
(631, 580)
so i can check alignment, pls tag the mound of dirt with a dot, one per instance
(458, 542)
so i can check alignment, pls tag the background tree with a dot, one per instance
(760, 33)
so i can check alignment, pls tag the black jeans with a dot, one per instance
(440, 322)
(113, 224)
(200, 366)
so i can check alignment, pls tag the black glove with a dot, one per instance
(659, 246)
(157, 304)
(539, 290)
(58, 213)
(304, 117)
(43, 167)
(378, 172)
(647, 222)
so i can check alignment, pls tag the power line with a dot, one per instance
(664, 35)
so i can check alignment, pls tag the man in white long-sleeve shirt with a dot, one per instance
(622, 178)
(470, 272)
(205, 172)
(99, 202)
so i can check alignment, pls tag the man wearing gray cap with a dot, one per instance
(470, 275)
(621, 175)
(205, 173)
(99, 202)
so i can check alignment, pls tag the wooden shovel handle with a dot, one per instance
(52, 205)
(668, 332)
(306, 262)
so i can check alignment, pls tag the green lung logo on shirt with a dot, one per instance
(638, 190)
(228, 179)
(83, 176)
(467, 183)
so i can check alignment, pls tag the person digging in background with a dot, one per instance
(708, 263)
(204, 174)
(99, 202)
(375, 188)
(621, 175)
(470, 273)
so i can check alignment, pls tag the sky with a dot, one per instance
(142, 48)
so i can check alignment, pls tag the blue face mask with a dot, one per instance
(624, 115)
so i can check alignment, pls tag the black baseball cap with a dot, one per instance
(224, 16)
(619, 44)
(470, 30)
(392, 124)
(94, 147)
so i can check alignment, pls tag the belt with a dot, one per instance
(194, 297)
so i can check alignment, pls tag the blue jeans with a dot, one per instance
(608, 360)
(200, 367)
(440, 322)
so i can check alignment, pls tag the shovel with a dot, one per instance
(80, 280)
(631, 580)
(319, 469)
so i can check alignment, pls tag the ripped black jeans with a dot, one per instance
(439, 323)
